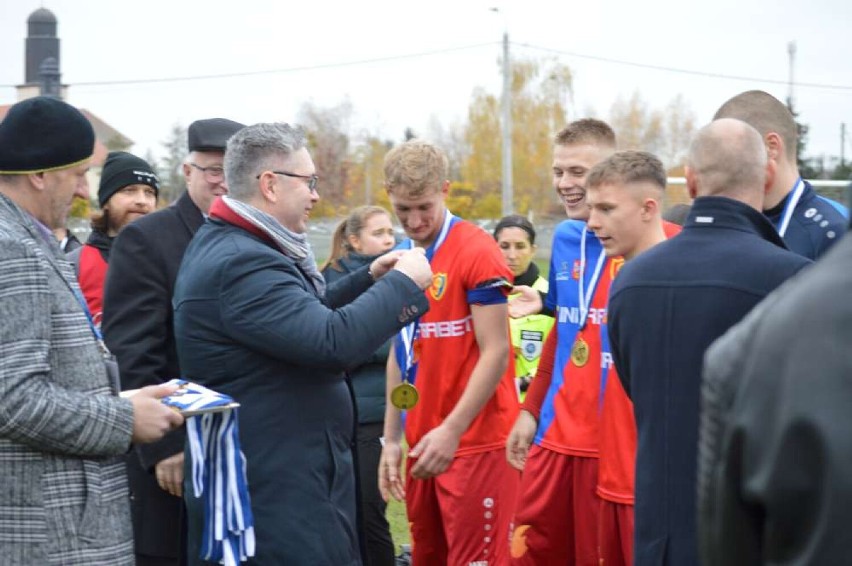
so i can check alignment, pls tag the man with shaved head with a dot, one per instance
(670, 303)
(808, 223)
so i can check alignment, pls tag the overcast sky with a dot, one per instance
(315, 41)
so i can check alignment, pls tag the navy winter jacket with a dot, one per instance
(250, 324)
(368, 379)
(666, 307)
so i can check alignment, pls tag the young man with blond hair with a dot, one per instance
(624, 194)
(460, 492)
(555, 438)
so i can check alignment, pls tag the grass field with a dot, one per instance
(398, 524)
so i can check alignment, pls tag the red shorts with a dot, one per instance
(557, 517)
(615, 534)
(464, 515)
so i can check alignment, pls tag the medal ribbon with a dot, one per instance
(585, 297)
(408, 333)
(792, 202)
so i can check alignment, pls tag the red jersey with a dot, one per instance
(445, 346)
(617, 470)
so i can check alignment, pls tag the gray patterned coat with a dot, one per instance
(63, 493)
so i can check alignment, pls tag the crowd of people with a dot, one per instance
(671, 392)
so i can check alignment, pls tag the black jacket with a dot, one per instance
(250, 324)
(368, 379)
(138, 329)
(666, 307)
(775, 467)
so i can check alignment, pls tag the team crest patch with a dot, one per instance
(615, 265)
(531, 344)
(439, 286)
(575, 273)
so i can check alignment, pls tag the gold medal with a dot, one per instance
(580, 353)
(404, 396)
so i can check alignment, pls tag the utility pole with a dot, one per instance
(508, 207)
(368, 177)
(842, 144)
(791, 55)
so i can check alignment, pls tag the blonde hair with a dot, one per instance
(417, 167)
(349, 226)
(586, 131)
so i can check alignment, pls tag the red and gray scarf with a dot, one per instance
(264, 226)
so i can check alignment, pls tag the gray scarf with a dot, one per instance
(291, 244)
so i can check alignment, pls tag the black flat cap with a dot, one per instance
(44, 134)
(211, 134)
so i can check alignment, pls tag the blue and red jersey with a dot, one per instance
(569, 417)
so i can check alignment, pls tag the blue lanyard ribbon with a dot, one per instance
(586, 296)
(790, 206)
(408, 333)
(94, 327)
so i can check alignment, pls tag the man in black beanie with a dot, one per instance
(128, 190)
(64, 429)
(137, 326)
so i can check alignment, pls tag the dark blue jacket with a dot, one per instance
(666, 307)
(249, 323)
(817, 223)
(368, 379)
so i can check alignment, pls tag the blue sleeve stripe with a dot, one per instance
(486, 296)
(835, 205)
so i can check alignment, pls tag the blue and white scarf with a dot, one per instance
(218, 472)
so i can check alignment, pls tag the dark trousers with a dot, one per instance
(379, 545)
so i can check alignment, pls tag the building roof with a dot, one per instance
(42, 16)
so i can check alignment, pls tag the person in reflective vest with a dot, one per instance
(515, 236)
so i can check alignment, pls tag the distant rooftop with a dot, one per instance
(42, 16)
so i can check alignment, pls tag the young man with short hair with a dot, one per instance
(556, 519)
(808, 223)
(624, 194)
(669, 303)
(459, 490)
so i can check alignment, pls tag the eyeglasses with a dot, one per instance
(212, 174)
(312, 179)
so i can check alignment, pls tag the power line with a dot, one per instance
(682, 71)
(277, 71)
(451, 50)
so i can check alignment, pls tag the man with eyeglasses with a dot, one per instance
(137, 327)
(254, 319)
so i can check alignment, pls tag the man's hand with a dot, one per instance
(414, 264)
(169, 474)
(520, 439)
(391, 483)
(151, 419)
(434, 452)
(527, 303)
(384, 263)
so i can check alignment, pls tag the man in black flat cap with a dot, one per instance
(138, 328)
(63, 429)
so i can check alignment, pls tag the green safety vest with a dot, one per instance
(528, 336)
